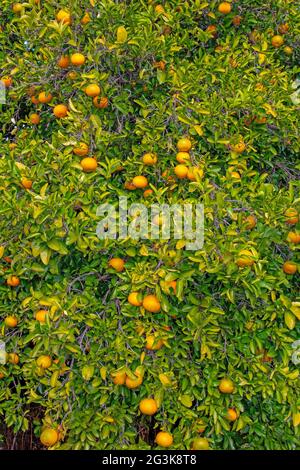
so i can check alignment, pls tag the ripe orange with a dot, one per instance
(236, 20)
(63, 62)
(85, 19)
(149, 159)
(148, 406)
(293, 237)
(250, 222)
(147, 193)
(283, 28)
(153, 344)
(119, 378)
(45, 97)
(164, 439)
(34, 100)
(277, 41)
(159, 9)
(89, 164)
(224, 8)
(77, 59)
(100, 102)
(231, 414)
(128, 185)
(133, 299)
(11, 321)
(239, 148)
(41, 316)
(212, 29)
(13, 358)
(173, 285)
(7, 81)
(184, 145)
(81, 150)
(49, 437)
(35, 118)
(288, 50)
(17, 7)
(26, 183)
(151, 303)
(92, 90)
(13, 281)
(291, 215)
(117, 264)
(289, 267)
(181, 171)
(200, 443)
(60, 111)
(195, 173)
(134, 383)
(226, 386)
(44, 361)
(140, 181)
(245, 258)
(64, 17)
(183, 157)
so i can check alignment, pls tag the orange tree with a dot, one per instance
(138, 344)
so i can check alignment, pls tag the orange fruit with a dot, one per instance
(153, 344)
(133, 299)
(151, 303)
(100, 102)
(85, 19)
(118, 264)
(44, 361)
(161, 64)
(128, 185)
(224, 8)
(92, 90)
(173, 285)
(2, 375)
(64, 17)
(134, 383)
(17, 7)
(184, 145)
(81, 150)
(45, 97)
(183, 157)
(63, 62)
(181, 171)
(250, 222)
(60, 111)
(212, 29)
(77, 59)
(277, 41)
(119, 378)
(293, 237)
(149, 159)
(245, 258)
(88, 164)
(231, 414)
(148, 406)
(11, 321)
(164, 439)
(289, 267)
(147, 193)
(13, 358)
(288, 50)
(291, 216)
(140, 181)
(159, 9)
(226, 386)
(195, 173)
(239, 148)
(13, 281)
(49, 437)
(7, 81)
(283, 28)
(26, 183)
(41, 316)
(236, 20)
(35, 118)
(34, 100)
(200, 443)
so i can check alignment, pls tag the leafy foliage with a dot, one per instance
(165, 76)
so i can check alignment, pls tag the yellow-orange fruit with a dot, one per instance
(26, 183)
(224, 8)
(85, 19)
(289, 267)
(100, 102)
(153, 344)
(92, 90)
(119, 378)
(245, 258)
(134, 383)
(231, 414)
(81, 149)
(293, 237)
(277, 41)
(151, 303)
(148, 406)
(184, 145)
(89, 164)
(181, 171)
(149, 159)
(164, 439)
(13, 358)
(60, 111)
(63, 62)
(7, 81)
(183, 157)
(13, 281)
(291, 216)
(250, 222)
(226, 386)
(63, 17)
(35, 118)
(11, 321)
(77, 59)
(147, 193)
(118, 264)
(49, 437)
(140, 181)
(44, 361)
(41, 315)
(133, 299)
(45, 97)
(239, 148)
